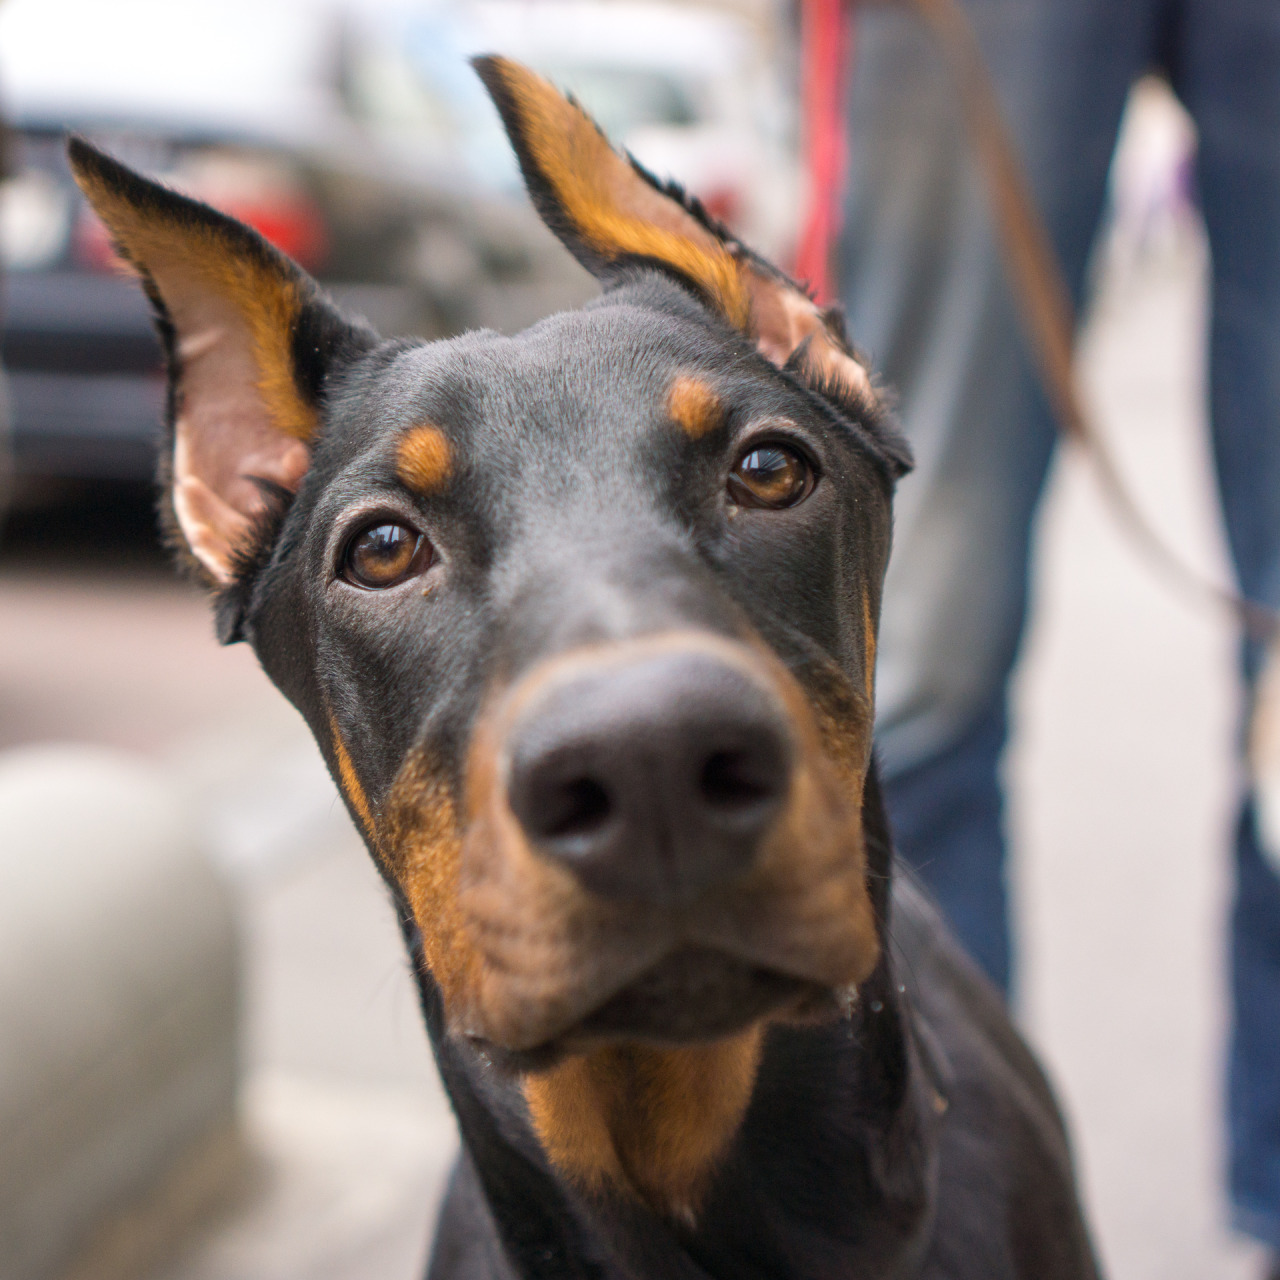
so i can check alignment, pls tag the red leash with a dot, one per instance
(826, 49)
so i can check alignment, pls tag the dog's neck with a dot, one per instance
(831, 1173)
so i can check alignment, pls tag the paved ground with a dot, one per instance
(1122, 789)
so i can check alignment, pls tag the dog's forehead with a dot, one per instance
(605, 373)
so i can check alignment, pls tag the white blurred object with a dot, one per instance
(118, 997)
(1152, 205)
(35, 220)
(236, 64)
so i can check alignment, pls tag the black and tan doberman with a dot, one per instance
(584, 622)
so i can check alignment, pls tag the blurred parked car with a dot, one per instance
(307, 120)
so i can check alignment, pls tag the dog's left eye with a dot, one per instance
(382, 555)
(771, 476)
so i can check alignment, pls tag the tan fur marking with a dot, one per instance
(784, 318)
(267, 301)
(424, 459)
(654, 1122)
(351, 784)
(613, 209)
(694, 405)
(421, 846)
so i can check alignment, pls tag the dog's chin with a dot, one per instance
(693, 996)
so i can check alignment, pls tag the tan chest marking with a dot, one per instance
(649, 1122)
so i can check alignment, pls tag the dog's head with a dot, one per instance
(583, 620)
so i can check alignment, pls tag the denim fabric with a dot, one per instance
(947, 815)
(926, 296)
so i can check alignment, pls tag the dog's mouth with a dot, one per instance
(695, 994)
(692, 996)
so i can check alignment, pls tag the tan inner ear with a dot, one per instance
(784, 317)
(239, 416)
(225, 435)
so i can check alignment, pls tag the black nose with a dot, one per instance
(652, 778)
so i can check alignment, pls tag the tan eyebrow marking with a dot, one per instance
(424, 459)
(694, 405)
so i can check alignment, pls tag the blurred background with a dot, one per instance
(241, 1088)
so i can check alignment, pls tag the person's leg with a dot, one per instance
(946, 814)
(1227, 69)
(925, 292)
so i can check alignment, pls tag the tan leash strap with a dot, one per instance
(1044, 301)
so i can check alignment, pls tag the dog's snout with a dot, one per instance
(653, 779)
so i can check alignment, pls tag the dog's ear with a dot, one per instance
(607, 212)
(250, 342)
(612, 214)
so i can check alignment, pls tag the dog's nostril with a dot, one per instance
(576, 808)
(732, 780)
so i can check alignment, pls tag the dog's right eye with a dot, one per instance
(382, 555)
(771, 476)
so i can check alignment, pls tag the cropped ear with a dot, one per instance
(611, 214)
(250, 341)
(607, 211)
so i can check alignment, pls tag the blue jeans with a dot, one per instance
(925, 292)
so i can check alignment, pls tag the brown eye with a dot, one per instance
(772, 476)
(383, 555)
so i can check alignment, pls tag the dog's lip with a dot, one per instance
(694, 994)
(691, 996)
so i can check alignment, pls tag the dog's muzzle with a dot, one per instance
(661, 843)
